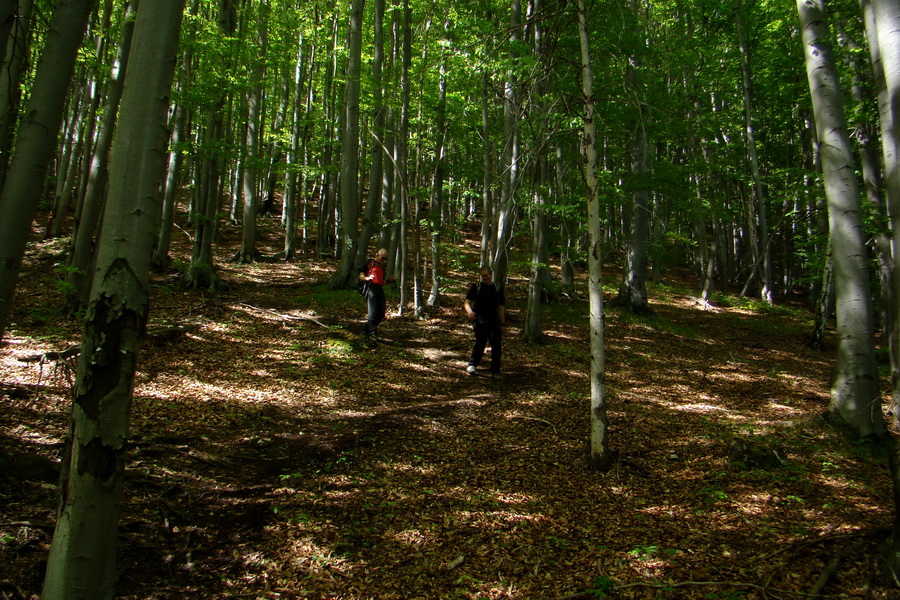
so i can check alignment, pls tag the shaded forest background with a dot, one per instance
(275, 455)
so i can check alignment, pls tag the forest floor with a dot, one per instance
(276, 455)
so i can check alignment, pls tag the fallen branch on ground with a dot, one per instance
(288, 317)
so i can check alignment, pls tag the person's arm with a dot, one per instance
(470, 312)
(501, 314)
(365, 273)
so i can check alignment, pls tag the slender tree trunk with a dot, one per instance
(82, 556)
(294, 156)
(600, 457)
(250, 177)
(79, 276)
(633, 289)
(403, 155)
(346, 271)
(7, 21)
(16, 57)
(374, 199)
(766, 281)
(173, 171)
(854, 391)
(437, 187)
(540, 274)
(487, 190)
(202, 274)
(36, 142)
(506, 216)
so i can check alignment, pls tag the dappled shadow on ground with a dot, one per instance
(275, 455)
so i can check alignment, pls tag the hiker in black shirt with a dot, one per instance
(485, 307)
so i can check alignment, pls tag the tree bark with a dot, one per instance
(376, 175)
(81, 564)
(882, 21)
(78, 276)
(248, 252)
(506, 215)
(16, 57)
(854, 391)
(346, 272)
(437, 187)
(766, 280)
(600, 455)
(202, 273)
(37, 139)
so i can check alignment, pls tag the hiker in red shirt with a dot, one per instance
(374, 272)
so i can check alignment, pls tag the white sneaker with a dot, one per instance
(470, 369)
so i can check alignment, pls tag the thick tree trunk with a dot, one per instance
(82, 556)
(882, 21)
(884, 38)
(36, 142)
(854, 392)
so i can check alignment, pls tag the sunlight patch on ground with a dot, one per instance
(434, 354)
(408, 469)
(775, 404)
(701, 408)
(410, 537)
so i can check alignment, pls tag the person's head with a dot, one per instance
(486, 275)
(381, 255)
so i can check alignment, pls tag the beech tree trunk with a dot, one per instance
(346, 272)
(376, 175)
(882, 22)
(854, 390)
(82, 562)
(506, 215)
(437, 189)
(79, 274)
(633, 289)
(884, 37)
(36, 142)
(764, 261)
(487, 189)
(600, 455)
(15, 58)
(202, 273)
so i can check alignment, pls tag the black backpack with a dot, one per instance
(362, 286)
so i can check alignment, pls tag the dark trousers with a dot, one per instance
(485, 332)
(377, 305)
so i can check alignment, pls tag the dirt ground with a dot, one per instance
(276, 455)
